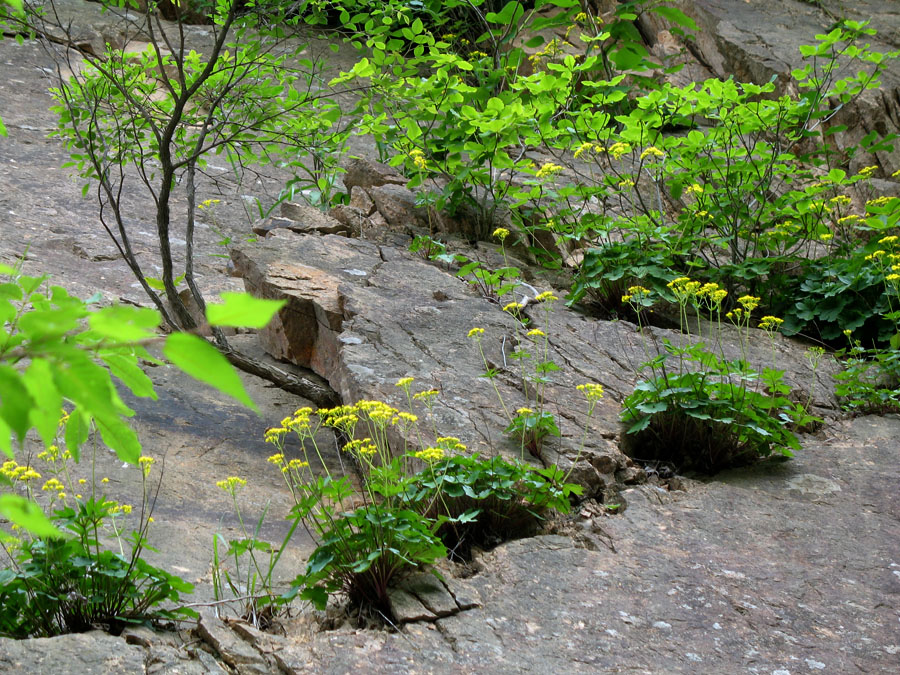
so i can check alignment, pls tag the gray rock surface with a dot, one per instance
(363, 315)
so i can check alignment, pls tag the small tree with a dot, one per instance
(150, 116)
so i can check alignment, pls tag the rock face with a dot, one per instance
(756, 40)
(363, 315)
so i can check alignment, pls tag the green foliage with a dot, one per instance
(410, 516)
(870, 380)
(61, 353)
(71, 579)
(707, 414)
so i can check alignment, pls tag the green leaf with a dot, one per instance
(6, 439)
(675, 16)
(199, 359)
(126, 369)
(120, 437)
(77, 430)
(25, 513)
(242, 310)
(124, 324)
(45, 414)
(16, 401)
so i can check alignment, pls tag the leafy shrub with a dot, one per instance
(706, 413)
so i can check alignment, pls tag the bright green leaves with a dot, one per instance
(122, 323)
(242, 310)
(199, 359)
(15, 402)
(28, 515)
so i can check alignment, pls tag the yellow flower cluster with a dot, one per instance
(618, 149)
(536, 332)
(694, 189)
(115, 509)
(501, 233)
(361, 447)
(145, 463)
(379, 412)
(546, 296)
(547, 170)
(342, 417)
(53, 485)
(405, 419)
(426, 396)
(231, 484)
(749, 302)
(593, 392)
(840, 200)
(429, 454)
(683, 288)
(206, 203)
(14, 471)
(404, 382)
(867, 171)
(476, 332)
(451, 444)
(626, 183)
(275, 435)
(587, 146)
(524, 411)
(513, 307)
(652, 152)
(418, 158)
(770, 323)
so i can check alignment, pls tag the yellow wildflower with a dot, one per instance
(749, 302)
(536, 332)
(546, 296)
(548, 169)
(770, 323)
(619, 149)
(426, 395)
(888, 240)
(655, 152)
(593, 392)
(581, 149)
(430, 454)
(276, 459)
(512, 307)
(867, 171)
(231, 484)
(404, 382)
(145, 463)
(418, 158)
(476, 332)
(524, 411)
(501, 233)
(695, 189)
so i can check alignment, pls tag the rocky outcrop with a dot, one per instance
(363, 315)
